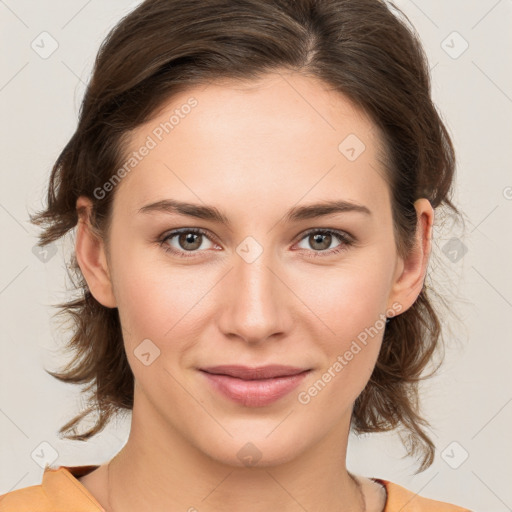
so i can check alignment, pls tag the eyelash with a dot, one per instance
(345, 239)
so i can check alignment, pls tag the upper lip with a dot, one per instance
(254, 373)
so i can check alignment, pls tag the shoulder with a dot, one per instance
(401, 499)
(27, 499)
(59, 491)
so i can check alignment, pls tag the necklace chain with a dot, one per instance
(110, 509)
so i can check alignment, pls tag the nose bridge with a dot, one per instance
(256, 306)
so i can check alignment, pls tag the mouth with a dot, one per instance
(257, 386)
(254, 373)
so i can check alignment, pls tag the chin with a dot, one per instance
(254, 447)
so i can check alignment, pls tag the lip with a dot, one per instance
(257, 386)
(256, 372)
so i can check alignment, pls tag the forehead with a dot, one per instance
(281, 138)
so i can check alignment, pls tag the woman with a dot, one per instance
(253, 185)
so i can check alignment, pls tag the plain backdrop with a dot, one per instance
(468, 403)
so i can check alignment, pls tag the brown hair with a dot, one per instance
(362, 49)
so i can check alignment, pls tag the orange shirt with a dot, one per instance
(60, 491)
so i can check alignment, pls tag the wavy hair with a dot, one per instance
(365, 49)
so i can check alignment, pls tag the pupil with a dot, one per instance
(190, 238)
(319, 238)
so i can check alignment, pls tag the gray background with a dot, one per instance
(468, 403)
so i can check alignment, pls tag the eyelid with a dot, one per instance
(345, 238)
(346, 241)
(175, 232)
(338, 232)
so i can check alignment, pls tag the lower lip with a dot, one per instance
(255, 393)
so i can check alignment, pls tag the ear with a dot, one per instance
(411, 270)
(91, 256)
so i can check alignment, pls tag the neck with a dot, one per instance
(163, 471)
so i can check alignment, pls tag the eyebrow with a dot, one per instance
(295, 214)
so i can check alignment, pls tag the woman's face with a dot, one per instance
(272, 283)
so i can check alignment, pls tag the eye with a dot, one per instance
(188, 240)
(191, 241)
(321, 240)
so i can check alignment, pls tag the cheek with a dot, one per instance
(161, 300)
(347, 299)
(349, 309)
(157, 301)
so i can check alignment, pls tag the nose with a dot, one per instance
(256, 302)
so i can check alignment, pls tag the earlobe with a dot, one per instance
(91, 256)
(413, 268)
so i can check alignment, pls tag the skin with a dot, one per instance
(254, 153)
